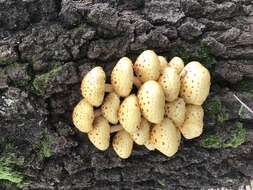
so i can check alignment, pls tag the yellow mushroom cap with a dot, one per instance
(93, 86)
(83, 116)
(122, 77)
(147, 66)
(129, 114)
(141, 136)
(163, 63)
(193, 124)
(122, 144)
(177, 63)
(100, 134)
(195, 83)
(152, 101)
(176, 111)
(110, 107)
(149, 145)
(170, 82)
(165, 137)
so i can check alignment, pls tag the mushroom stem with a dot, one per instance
(116, 128)
(137, 82)
(108, 88)
(97, 113)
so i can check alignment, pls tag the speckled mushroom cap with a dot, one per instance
(152, 101)
(147, 66)
(195, 83)
(122, 77)
(100, 134)
(141, 136)
(177, 63)
(170, 82)
(193, 124)
(122, 144)
(176, 111)
(110, 107)
(165, 137)
(130, 114)
(83, 116)
(93, 86)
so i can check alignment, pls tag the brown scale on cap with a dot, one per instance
(170, 82)
(152, 101)
(83, 116)
(122, 144)
(147, 66)
(176, 111)
(165, 137)
(129, 114)
(193, 124)
(110, 107)
(100, 134)
(195, 83)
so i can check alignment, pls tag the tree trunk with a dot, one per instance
(47, 46)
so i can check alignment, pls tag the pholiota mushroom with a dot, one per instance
(170, 82)
(152, 101)
(100, 134)
(163, 63)
(110, 107)
(165, 137)
(177, 63)
(122, 144)
(147, 66)
(83, 116)
(195, 83)
(141, 136)
(193, 124)
(129, 114)
(93, 86)
(122, 77)
(176, 111)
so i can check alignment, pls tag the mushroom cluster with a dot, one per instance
(165, 103)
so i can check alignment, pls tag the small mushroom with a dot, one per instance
(129, 114)
(100, 134)
(177, 63)
(93, 86)
(165, 137)
(141, 136)
(193, 124)
(163, 63)
(176, 111)
(83, 116)
(122, 77)
(170, 82)
(122, 144)
(110, 107)
(152, 101)
(147, 66)
(195, 83)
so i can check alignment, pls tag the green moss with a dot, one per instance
(236, 137)
(201, 53)
(4, 62)
(44, 146)
(10, 166)
(246, 85)
(212, 141)
(217, 110)
(40, 82)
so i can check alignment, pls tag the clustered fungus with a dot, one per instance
(166, 104)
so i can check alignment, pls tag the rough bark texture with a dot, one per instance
(46, 46)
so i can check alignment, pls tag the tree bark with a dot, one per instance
(47, 46)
